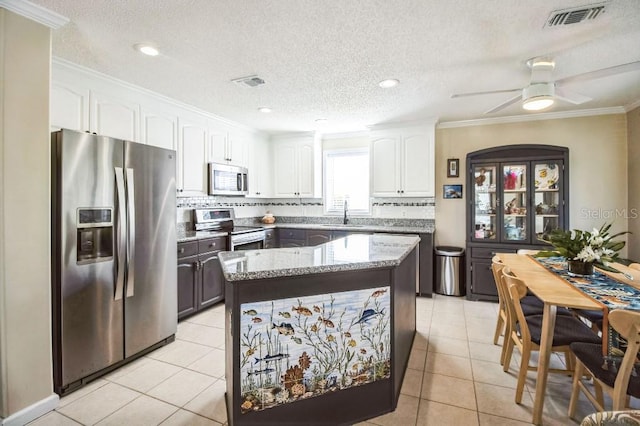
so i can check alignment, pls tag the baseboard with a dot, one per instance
(32, 412)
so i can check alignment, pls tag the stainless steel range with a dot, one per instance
(221, 219)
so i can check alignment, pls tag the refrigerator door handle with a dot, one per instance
(131, 230)
(121, 234)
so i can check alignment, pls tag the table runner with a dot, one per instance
(612, 294)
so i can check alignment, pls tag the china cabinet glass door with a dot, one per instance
(547, 197)
(486, 203)
(514, 198)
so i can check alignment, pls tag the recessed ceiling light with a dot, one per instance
(264, 109)
(146, 48)
(386, 84)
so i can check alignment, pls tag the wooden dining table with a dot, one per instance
(553, 291)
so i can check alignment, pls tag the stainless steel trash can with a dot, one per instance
(449, 271)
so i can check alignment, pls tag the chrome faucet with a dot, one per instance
(346, 218)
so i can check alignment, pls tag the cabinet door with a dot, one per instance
(548, 197)
(219, 139)
(237, 148)
(384, 166)
(514, 201)
(484, 209)
(187, 286)
(192, 157)
(305, 172)
(417, 171)
(482, 278)
(114, 117)
(260, 185)
(159, 129)
(211, 282)
(69, 107)
(285, 178)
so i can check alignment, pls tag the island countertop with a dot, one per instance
(354, 252)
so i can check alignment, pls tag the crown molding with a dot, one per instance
(632, 106)
(346, 135)
(532, 117)
(73, 67)
(35, 13)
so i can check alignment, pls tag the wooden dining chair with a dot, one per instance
(530, 304)
(620, 381)
(527, 333)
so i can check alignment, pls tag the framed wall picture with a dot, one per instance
(451, 191)
(453, 165)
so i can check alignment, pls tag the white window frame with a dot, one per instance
(344, 152)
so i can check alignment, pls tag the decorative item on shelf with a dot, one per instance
(268, 218)
(584, 250)
(510, 180)
(481, 177)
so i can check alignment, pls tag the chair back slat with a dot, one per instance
(517, 289)
(627, 324)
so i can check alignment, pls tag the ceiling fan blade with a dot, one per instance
(462, 95)
(604, 72)
(505, 104)
(571, 96)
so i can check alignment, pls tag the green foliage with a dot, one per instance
(598, 246)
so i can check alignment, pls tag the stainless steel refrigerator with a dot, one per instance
(114, 257)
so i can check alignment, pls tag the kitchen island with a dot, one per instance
(319, 335)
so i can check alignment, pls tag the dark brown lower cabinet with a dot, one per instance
(200, 280)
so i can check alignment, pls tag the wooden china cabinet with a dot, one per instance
(516, 194)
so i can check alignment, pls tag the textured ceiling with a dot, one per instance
(324, 58)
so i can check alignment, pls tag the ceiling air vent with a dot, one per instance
(251, 81)
(575, 15)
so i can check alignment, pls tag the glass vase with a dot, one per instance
(578, 268)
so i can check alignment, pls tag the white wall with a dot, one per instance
(633, 142)
(597, 167)
(25, 315)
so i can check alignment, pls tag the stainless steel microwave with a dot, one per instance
(225, 179)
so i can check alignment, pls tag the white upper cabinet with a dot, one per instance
(296, 167)
(113, 116)
(159, 128)
(403, 162)
(229, 145)
(69, 107)
(260, 182)
(193, 152)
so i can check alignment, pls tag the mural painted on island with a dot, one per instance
(297, 348)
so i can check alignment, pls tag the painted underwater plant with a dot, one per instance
(304, 347)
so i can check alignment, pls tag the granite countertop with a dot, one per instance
(184, 236)
(353, 227)
(351, 253)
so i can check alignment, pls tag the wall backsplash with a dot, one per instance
(381, 208)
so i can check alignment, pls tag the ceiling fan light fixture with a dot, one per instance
(539, 96)
(538, 103)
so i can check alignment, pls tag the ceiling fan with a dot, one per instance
(542, 91)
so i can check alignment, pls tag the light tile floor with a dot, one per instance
(454, 378)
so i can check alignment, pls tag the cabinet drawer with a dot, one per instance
(488, 252)
(187, 249)
(212, 244)
(293, 234)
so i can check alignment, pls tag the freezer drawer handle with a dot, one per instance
(121, 232)
(131, 225)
